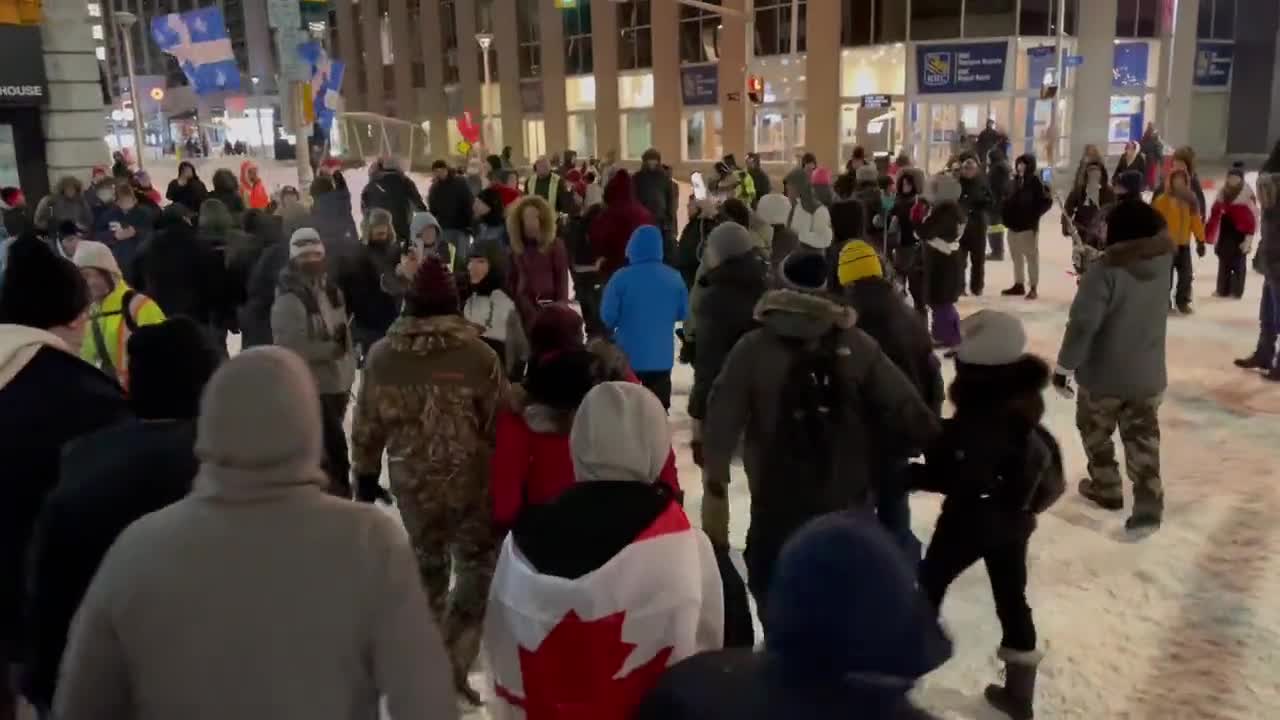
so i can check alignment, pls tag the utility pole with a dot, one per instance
(125, 21)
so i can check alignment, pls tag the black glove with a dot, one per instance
(1200, 249)
(1062, 383)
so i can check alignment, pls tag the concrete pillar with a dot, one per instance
(437, 108)
(371, 26)
(507, 49)
(405, 100)
(257, 38)
(555, 114)
(1092, 97)
(822, 83)
(348, 51)
(1178, 72)
(469, 72)
(733, 82)
(1253, 120)
(604, 47)
(73, 119)
(667, 104)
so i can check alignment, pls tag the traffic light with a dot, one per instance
(755, 89)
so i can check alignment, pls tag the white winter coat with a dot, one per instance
(497, 314)
(813, 229)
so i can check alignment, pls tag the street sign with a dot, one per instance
(876, 102)
(1073, 60)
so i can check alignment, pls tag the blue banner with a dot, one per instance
(700, 85)
(1129, 65)
(961, 67)
(1040, 61)
(1213, 64)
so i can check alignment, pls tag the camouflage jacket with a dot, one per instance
(430, 396)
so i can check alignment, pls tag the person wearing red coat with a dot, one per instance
(611, 230)
(1232, 224)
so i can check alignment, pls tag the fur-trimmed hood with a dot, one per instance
(1130, 254)
(793, 314)
(917, 178)
(515, 228)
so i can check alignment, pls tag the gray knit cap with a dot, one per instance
(727, 241)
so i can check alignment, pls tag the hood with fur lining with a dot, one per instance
(546, 220)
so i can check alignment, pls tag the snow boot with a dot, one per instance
(1143, 521)
(1186, 309)
(1016, 291)
(1016, 698)
(1089, 491)
(1032, 294)
(1253, 362)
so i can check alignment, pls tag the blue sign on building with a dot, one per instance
(700, 85)
(961, 67)
(1129, 65)
(1213, 64)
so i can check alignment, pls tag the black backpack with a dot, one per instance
(810, 415)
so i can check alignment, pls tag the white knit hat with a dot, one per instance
(991, 337)
(305, 241)
(774, 209)
(93, 254)
(620, 432)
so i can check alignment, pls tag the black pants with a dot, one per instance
(1232, 271)
(961, 539)
(337, 460)
(1183, 273)
(659, 382)
(587, 291)
(738, 630)
(975, 256)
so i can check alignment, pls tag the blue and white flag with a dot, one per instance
(326, 81)
(198, 40)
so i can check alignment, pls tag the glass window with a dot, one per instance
(95, 10)
(97, 32)
(101, 52)
(702, 135)
(990, 18)
(484, 24)
(890, 19)
(530, 41)
(1204, 20)
(1148, 18)
(1127, 18)
(855, 24)
(449, 36)
(699, 34)
(773, 27)
(1034, 17)
(535, 138)
(935, 19)
(637, 133)
(582, 133)
(771, 127)
(577, 41)
(635, 46)
(1224, 19)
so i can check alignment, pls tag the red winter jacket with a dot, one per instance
(611, 230)
(1239, 211)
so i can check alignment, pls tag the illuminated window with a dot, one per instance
(95, 10)
(101, 52)
(97, 32)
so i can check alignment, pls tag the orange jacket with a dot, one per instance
(254, 192)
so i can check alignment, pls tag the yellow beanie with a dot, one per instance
(858, 260)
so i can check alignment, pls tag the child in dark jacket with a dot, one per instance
(999, 468)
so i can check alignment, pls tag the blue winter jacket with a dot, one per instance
(642, 303)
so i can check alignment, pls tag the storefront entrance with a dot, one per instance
(947, 129)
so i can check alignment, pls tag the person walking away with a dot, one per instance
(260, 271)
(1132, 160)
(117, 312)
(642, 303)
(810, 219)
(1025, 203)
(185, 272)
(586, 264)
(1178, 208)
(812, 393)
(310, 318)
(759, 178)
(67, 203)
(869, 196)
(1230, 230)
(612, 229)
(125, 227)
(848, 220)
(653, 190)
(1114, 345)
(1264, 357)
(331, 217)
(539, 261)
(98, 496)
(450, 199)
(390, 189)
(48, 397)
(999, 468)
(429, 397)
(226, 189)
(1000, 180)
(908, 259)
(338, 574)
(976, 199)
(646, 567)
(903, 338)
(775, 209)
(846, 635)
(1152, 148)
(486, 304)
(187, 189)
(940, 224)
(370, 285)
(820, 179)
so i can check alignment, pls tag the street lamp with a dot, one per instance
(125, 21)
(486, 41)
(257, 100)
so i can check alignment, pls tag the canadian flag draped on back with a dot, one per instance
(591, 647)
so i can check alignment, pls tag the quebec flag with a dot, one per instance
(198, 40)
(326, 81)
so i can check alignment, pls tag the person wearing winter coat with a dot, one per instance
(1091, 156)
(486, 304)
(848, 220)
(226, 189)
(1152, 148)
(1115, 346)
(1232, 224)
(869, 196)
(369, 282)
(653, 190)
(820, 179)
(1024, 203)
(1184, 158)
(1132, 160)
(260, 270)
(759, 178)
(147, 193)
(451, 200)
(48, 397)
(1181, 214)
(547, 183)
(539, 260)
(67, 203)
(331, 217)
(642, 303)
(184, 270)
(429, 398)
(736, 278)
(999, 468)
(117, 311)
(1265, 357)
(1084, 214)
(808, 367)
(491, 222)
(338, 580)
(903, 338)
(1000, 180)
(585, 263)
(98, 494)
(847, 635)
(908, 258)
(702, 220)
(939, 224)
(810, 219)
(187, 189)
(611, 231)
(310, 318)
(427, 239)
(615, 547)
(977, 201)
(775, 209)
(390, 189)
(125, 226)
(252, 188)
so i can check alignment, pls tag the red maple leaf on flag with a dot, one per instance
(570, 676)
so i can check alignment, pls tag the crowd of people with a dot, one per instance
(526, 442)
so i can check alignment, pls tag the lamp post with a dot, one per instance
(486, 41)
(125, 21)
(257, 101)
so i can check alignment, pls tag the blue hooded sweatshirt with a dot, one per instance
(642, 303)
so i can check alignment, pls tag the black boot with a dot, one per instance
(1273, 375)
(1253, 362)
(1089, 491)
(1016, 290)
(1016, 697)
(368, 490)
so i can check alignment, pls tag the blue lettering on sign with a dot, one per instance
(961, 67)
(1213, 64)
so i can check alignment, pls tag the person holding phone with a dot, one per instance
(124, 227)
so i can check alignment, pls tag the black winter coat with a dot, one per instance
(1027, 202)
(902, 335)
(653, 190)
(1138, 165)
(943, 272)
(396, 193)
(100, 493)
(999, 180)
(977, 201)
(848, 218)
(183, 272)
(373, 309)
(55, 398)
(725, 313)
(451, 201)
(255, 315)
(763, 184)
(191, 196)
(229, 197)
(689, 248)
(331, 217)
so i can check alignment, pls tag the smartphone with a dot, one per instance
(699, 186)
(115, 226)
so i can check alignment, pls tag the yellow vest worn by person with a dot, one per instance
(106, 339)
(553, 185)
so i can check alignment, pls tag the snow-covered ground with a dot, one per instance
(1182, 624)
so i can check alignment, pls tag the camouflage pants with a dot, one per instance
(1139, 424)
(451, 535)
